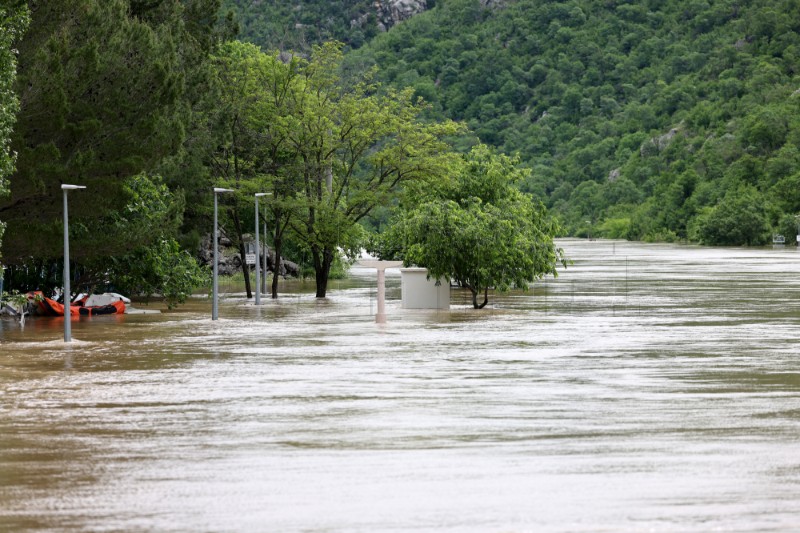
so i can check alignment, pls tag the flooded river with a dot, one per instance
(648, 388)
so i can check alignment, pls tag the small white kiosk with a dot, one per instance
(419, 292)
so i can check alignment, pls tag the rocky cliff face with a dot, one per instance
(390, 12)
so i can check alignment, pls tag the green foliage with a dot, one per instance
(107, 91)
(615, 228)
(738, 219)
(674, 104)
(15, 299)
(13, 21)
(351, 146)
(156, 264)
(160, 268)
(477, 228)
(104, 91)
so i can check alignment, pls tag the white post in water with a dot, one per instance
(381, 266)
(215, 283)
(67, 290)
(258, 251)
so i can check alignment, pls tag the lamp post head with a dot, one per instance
(219, 189)
(260, 194)
(66, 187)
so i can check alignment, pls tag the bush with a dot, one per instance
(738, 219)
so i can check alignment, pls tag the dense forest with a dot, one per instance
(656, 120)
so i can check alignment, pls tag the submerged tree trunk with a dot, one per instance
(242, 252)
(475, 293)
(323, 259)
(276, 267)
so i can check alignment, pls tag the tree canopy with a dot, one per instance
(105, 91)
(13, 21)
(477, 228)
(101, 86)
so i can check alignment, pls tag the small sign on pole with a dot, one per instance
(251, 259)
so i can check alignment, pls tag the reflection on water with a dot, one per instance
(650, 387)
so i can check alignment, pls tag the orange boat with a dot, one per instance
(49, 307)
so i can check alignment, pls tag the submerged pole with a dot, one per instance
(215, 283)
(259, 287)
(67, 291)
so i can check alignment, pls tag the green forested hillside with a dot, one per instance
(641, 119)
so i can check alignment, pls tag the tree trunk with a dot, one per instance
(323, 259)
(242, 252)
(276, 267)
(475, 293)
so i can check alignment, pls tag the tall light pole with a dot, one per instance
(67, 291)
(215, 284)
(258, 252)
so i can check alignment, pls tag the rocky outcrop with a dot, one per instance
(390, 12)
(231, 263)
(658, 144)
(493, 3)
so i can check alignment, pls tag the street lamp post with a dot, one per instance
(215, 284)
(67, 291)
(258, 252)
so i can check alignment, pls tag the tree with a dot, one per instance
(356, 145)
(253, 152)
(738, 219)
(477, 229)
(161, 266)
(103, 89)
(101, 93)
(13, 21)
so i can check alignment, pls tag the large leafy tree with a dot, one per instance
(106, 93)
(356, 145)
(477, 229)
(13, 21)
(252, 152)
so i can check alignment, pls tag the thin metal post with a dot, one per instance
(258, 260)
(67, 291)
(67, 309)
(215, 283)
(215, 287)
(259, 286)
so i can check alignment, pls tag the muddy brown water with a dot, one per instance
(648, 388)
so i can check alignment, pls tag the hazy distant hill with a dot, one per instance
(657, 119)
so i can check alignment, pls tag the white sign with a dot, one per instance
(251, 259)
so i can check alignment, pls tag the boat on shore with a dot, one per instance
(92, 305)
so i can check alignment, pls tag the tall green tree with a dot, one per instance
(477, 229)
(357, 145)
(13, 21)
(104, 90)
(252, 153)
